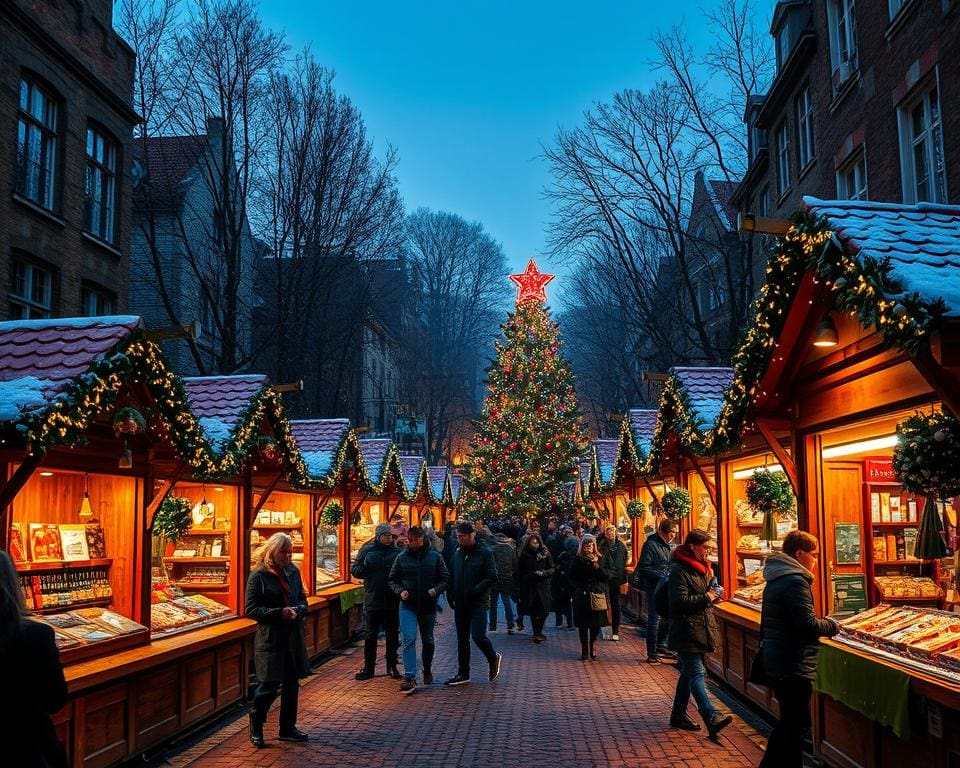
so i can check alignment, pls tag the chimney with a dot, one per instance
(214, 127)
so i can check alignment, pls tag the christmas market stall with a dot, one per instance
(416, 485)
(384, 492)
(456, 489)
(608, 497)
(435, 514)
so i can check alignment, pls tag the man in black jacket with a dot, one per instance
(418, 577)
(380, 604)
(652, 568)
(474, 573)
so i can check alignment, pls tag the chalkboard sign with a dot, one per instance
(849, 593)
(846, 538)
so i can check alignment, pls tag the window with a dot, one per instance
(805, 148)
(31, 291)
(842, 22)
(758, 140)
(100, 189)
(36, 144)
(763, 202)
(783, 159)
(921, 149)
(852, 178)
(896, 6)
(95, 301)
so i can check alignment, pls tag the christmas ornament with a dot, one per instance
(128, 421)
(531, 283)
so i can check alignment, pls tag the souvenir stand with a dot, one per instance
(333, 467)
(844, 346)
(434, 514)
(416, 487)
(384, 492)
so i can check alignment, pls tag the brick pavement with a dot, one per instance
(548, 708)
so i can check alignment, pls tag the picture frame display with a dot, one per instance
(73, 542)
(45, 542)
(846, 538)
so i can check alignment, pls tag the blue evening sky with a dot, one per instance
(467, 91)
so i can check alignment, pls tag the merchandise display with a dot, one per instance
(271, 521)
(750, 596)
(913, 587)
(88, 626)
(172, 611)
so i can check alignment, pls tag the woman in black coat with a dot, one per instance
(614, 562)
(586, 578)
(789, 633)
(278, 603)
(534, 573)
(33, 678)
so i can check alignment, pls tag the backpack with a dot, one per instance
(661, 599)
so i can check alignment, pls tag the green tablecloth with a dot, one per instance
(350, 598)
(874, 690)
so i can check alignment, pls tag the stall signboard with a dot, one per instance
(879, 471)
(847, 541)
(849, 593)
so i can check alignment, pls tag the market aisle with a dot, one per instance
(555, 710)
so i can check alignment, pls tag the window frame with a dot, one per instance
(101, 295)
(931, 136)
(782, 138)
(844, 42)
(31, 308)
(849, 167)
(37, 181)
(105, 226)
(806, 139)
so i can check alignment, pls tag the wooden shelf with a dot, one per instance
(749, 525)
(755, 553)
(196, 559)
(902, 562)
(208, 532)
(291, 527)
(95, 602)
(62, 565)
(910, 524)
(197, 586)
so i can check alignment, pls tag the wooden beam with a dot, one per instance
(747, 222)
(321, 503)
(941, 381)
(786, 461)
(160, 495)
(707, 482)
(19, 479)
(263, 497)
(650, 488)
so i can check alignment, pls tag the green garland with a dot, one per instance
(927, 457)
(332, 515)
(173, 519)
(676, 503)
(636, 509)
(770, 492)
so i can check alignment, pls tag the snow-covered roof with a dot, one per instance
(220, 403)
(705, 390)
(375, 452)
(643, 425)
(456, 487)
(412, 468)
(606, 452)
(319, 440)
(438, 483)
(921, 241)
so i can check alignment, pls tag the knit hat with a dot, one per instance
(382, 529)
(465, 528)
(587, 538)
(415, 530)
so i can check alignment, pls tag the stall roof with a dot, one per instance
(922, 242)
(642, 423)
(439, 489)
(456, 487)
(319, 442)
(40, 358)
(608, 454)
(220, 404)
(413, 469)
(704, 390)
(379, 457)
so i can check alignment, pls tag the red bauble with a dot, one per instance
(504, 436)
(518, 489)
(549, 446)
(513, 445)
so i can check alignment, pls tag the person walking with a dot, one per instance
(474, 573)
(418, 577)
(653, 568)
(589, 582)
(693, 630)
(789, 635)
(614, 562)
(535, 571)
(33, 676)
(380, 603)
(276, 600)
(505, 557)
(561, 593)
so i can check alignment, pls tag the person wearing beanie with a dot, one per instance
(588, 578)
(693, 630)
(613, 560)
(380, 604)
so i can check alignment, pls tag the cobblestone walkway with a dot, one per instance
(547, 709)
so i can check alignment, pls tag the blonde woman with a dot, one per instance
(278, 603)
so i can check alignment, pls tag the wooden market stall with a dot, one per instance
(435, 512)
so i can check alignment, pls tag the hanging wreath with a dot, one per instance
(927, 457)
(332, 515)
(173, 519)
(128, 421)
(590, 513)
(267, 448)
(676, 503)
(636, 509)
(770, 493)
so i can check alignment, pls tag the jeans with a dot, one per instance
(289, 691)
(410, 622)
(503, 597)
(375, 619)
(471, 622)
(785, 746)
(656, 640)
(692, 672)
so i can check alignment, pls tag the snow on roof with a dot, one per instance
(921, 241)
(318, 441)
(705, 390)
(606, 452)
(456, 486)
(219, 403)
(411, 467)
(438, 481)
(374, 452)
(643, 425)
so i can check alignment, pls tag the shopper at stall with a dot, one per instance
(276, 601)
(33, 678)
(589, 583)
(652, 568)
(380, 603)
(789, 634)
(418, 577)
(535, 570)
(505, 556)
(474, 573)
(614, 562)
(693, 630)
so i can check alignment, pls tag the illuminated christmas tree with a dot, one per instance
(530, 432)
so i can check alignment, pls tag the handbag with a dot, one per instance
(758, 671)
(598, 601)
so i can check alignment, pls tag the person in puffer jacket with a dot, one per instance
(789, 640)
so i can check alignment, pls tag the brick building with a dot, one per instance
(66, 89)
(855, 109)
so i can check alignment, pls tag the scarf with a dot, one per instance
(284, 584)
(684, 554)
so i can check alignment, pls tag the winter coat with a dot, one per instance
(535, 597)
(36, 689)
(278, 642)
(584, 578)
(449, 546)
(789, 627)
(373, 564)
(474, 573)
(693, 627)
(505, 556)
(654, 563)
(417, 572)
(614, 561)
(562, 590)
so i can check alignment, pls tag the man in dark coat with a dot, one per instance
(418, 577)
(380, 604)
(614, 562)
(790, 632)
(693, 630)
(474, 573)
(652, 568)
(505, 557)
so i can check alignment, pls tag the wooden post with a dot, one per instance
(707, 482)
(14, 485)
(263, 497)
(766, 427)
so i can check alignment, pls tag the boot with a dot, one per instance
(364, 673)
(256, 730)
(583, 652)
(393, 672)
(593, 652)
(716, 723)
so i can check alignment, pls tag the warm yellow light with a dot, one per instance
(826, 335)
(861, 446)
(46, 474)
(746, 474)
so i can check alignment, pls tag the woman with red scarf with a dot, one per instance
(278, 603)
(693, 630)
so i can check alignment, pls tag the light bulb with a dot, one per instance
(85, 509)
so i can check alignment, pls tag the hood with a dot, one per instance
(779, 564)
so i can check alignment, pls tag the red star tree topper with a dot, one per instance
(531, 283)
